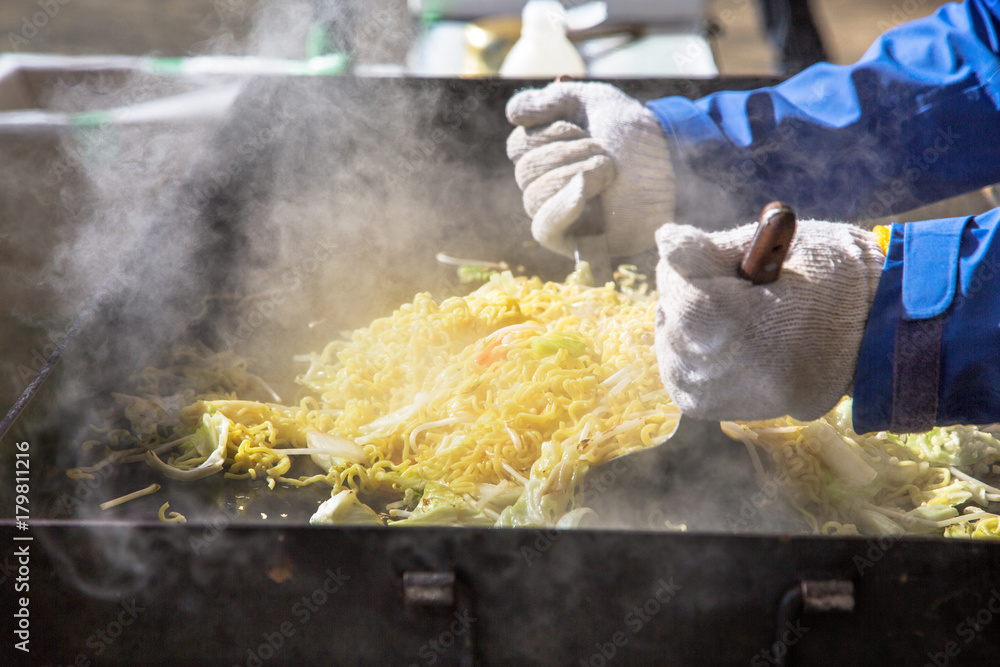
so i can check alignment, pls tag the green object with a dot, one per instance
(472, 274)
(546, 346)
(430, 17)
(325, 65)
(95, 136)
(89, 118)
(318, 41)
(166, 65)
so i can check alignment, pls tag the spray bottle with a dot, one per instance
(543, 49)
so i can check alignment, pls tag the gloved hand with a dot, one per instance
(728, 349)
(578, 140)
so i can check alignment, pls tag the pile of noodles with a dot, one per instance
(497, 402)
(489, 409)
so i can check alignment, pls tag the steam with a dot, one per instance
(310, 207)
(247, 216)
(698, 480)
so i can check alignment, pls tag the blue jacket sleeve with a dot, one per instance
(930, 355)
(914, 121)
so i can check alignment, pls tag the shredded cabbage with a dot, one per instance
(881, 483)
(489, 409)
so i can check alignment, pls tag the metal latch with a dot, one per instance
(823, 596)
(817, 596)
(429, 588)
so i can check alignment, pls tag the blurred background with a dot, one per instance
(177, 28)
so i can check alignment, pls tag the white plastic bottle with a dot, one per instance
(543, 49)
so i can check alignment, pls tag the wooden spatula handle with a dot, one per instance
(762, 262)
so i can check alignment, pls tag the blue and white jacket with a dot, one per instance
(914, 121)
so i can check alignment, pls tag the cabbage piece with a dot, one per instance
(952, 495)
(934, 446)
(440, 506)
(933, 512)
(987, 527)
(875, 523)
(838, 455)
(959, 530)
(574, 518)
(582, 275)
(389, 421)
(503, 283)
(473, 274)
(954, 445)
(844, 494)
(545, 346)
(499, 495)
(344, 509)
(551, 490)
(841, 415)
(334, 450)
(211, 439)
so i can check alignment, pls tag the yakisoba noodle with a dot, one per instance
(490, 408)
(467, 393)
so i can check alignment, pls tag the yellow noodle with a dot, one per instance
(482, 396)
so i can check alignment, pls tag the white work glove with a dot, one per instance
(728, 349)
(578, 140)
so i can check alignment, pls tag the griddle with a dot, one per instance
(240, 583)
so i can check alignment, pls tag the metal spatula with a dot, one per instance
(590, 241)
